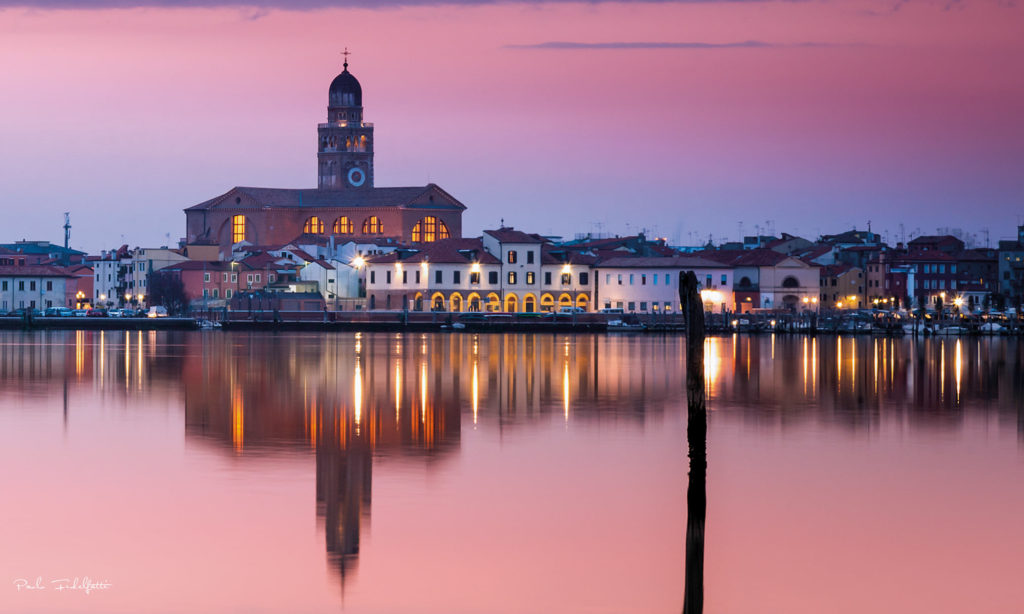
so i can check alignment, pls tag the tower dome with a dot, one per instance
(345, 91)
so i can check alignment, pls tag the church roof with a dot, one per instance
(345, 83)
(429, 196)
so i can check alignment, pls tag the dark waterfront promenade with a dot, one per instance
(880, 323)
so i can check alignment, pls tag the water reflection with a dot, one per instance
(264, 391)
(359, 403)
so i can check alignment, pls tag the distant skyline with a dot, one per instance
(684, 118)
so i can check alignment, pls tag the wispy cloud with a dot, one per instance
(674, 45)
(305, 5)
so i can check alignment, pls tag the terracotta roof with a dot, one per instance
(606, 243)
(753, 257)
(200, 265)
(261, 260)
(554, 254)
(723, 256)
(980, 254)
(835, 270)
(241, 198)
(300, 253)
(511, 235)
(815, 252)
(932, 239)
(762, 257)
(445, 251)
(925, 256)
(673, 262)
(33, 270)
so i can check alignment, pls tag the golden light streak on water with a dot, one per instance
(138, 361)
(712, 364)
(79, 352)
(357, 393)
(892, 362)
(314, 424)
(237, 419)
(958, 367)
(814, 366)
(423, 392)
(103, 358)
(565, 388)
(398, 391)
(942, 369)
(805, 365)
(839, 363)
(476, 390)
(874, 362)
(127, 357)
(853, 365)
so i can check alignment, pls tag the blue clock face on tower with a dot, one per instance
(356, 177)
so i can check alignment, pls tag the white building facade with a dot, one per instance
(651, 284)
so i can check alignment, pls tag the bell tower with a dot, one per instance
(345, 151)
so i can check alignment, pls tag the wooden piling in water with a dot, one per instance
(696, 437)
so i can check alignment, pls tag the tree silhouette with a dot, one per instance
(168, 290)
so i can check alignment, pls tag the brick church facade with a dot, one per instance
(345, 204)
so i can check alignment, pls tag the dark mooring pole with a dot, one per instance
(696, 438)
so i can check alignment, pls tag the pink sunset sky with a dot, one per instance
(682, 118)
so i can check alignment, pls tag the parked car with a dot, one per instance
(22, 312)
(157, 311)
(51, 312)
(80, 313)
(572, 310)
(96, 313)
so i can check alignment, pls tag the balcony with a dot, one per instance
(345, 124)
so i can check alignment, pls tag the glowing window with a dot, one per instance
(429, 229)
(237, 228)
(373, 226)
(343, 226)
(314, 225)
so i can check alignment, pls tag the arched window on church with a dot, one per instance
(348, 143)
(373, 226)
(343, 226)
(314, 226)
(362, 143)
(429, 229)
(237, 228)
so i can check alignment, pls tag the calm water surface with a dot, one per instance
(383, 473)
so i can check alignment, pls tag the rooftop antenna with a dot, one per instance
(67, 228)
